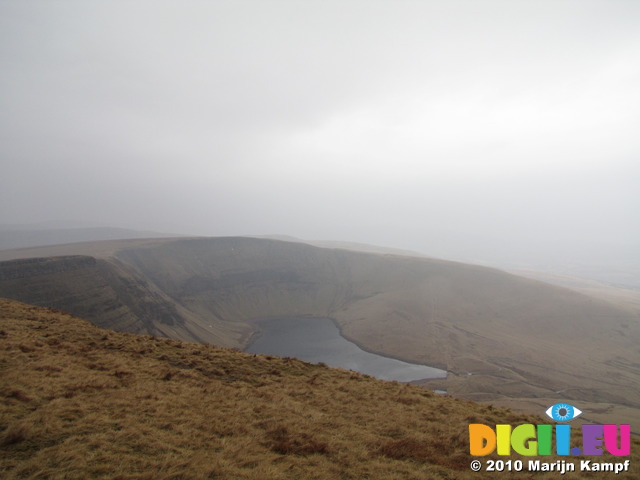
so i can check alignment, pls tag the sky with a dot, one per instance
(475, 130)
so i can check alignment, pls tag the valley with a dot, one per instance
(502, 338)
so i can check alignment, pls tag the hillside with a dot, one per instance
(105, 291)
(82, 402)
(502, 338)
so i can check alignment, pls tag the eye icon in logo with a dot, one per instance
(563, 412)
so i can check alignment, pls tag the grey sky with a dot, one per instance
(415, 124)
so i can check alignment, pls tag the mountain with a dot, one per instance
(502, 338)
(82, 402)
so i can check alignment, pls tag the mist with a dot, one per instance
(494, 132)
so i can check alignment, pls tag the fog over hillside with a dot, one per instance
(32, 236)
(493, 132)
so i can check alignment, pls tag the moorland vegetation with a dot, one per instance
(80, 402)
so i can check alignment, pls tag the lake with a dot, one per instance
(318, 340)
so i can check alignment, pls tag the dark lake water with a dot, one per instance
(318, 340)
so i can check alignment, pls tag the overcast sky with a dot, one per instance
(414, 124)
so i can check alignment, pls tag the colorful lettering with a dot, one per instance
(530, 440)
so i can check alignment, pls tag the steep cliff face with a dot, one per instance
(238, 279)
(107, 292)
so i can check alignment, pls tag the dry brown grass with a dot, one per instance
(80, 402)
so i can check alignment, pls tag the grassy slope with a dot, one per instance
(503, 338)
(82, 402)
(617, 294)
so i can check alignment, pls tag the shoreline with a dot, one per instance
(361, 347)
(257, 333)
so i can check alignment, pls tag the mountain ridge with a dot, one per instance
(500, 336)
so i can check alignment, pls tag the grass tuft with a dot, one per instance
(282, 441)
